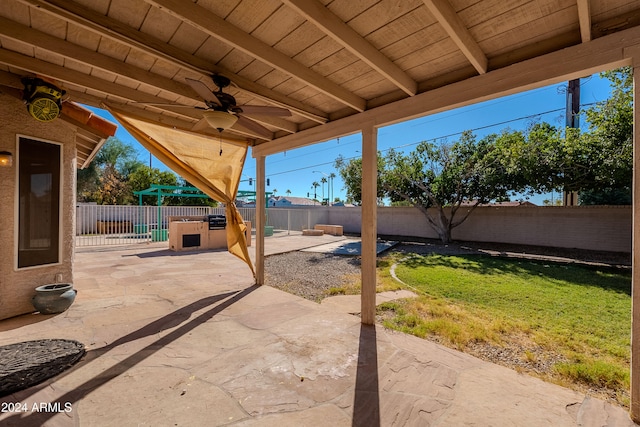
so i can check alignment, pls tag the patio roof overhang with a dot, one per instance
(324, 61)
(340, 67)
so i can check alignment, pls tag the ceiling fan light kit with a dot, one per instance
(223, 112)
(220, 120)
(44, 100)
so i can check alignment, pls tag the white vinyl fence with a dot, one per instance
(98, 225)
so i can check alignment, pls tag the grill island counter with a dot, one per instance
(193, 233)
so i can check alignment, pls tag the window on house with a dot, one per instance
(39, 203)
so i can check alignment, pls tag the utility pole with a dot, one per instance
(573, 104)
(572, 121)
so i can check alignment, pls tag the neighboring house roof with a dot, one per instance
(516, 203)
(295, 201)
(501, 204)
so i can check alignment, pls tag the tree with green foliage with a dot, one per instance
(112, 188)
(611, 128)
(323, 180)
(596, 162)
(105, 181)
(350, 171)
(315, 185)
(331, 178)
(144, 176)
(87, 181)
(606, 196)
(191, 201)
(120, 156)
(445, 181)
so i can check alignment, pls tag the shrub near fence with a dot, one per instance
(114, 227)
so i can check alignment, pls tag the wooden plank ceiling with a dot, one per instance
(323, 60)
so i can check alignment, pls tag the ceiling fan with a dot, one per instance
(223, 112)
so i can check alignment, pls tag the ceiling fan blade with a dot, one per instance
(254, 127)
(203, 91)
(265, 110)
(168, 104)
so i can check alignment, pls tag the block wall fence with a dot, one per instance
(602, 228)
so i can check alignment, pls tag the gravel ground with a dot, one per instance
(308, 274)
(311, 275)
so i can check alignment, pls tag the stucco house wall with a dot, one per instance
(17, 285)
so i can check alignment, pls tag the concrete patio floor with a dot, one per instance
(185, 339)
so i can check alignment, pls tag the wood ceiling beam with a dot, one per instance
(455, 28)
(604, 53)
(584, 15)
(43, 41)
(98, 102)
(11, 83)
(84, 17)
(66, 75)
(617, 23)
(334, 27)
(83, 151)
(85, 131)
(187, 125)
(236, 137)
(86, 141)
(212, 24)
(90, 136)
(154, 116)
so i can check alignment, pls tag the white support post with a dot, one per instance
(369, 230)
(261, 216)
(635, 278)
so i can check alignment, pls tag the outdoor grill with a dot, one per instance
(217, 222)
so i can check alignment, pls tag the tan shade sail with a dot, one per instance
(213, 165)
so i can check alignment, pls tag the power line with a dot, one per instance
(530, 116)
(313, 152)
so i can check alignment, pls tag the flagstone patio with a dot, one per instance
(185, 339)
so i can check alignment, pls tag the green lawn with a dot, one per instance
(580, 313)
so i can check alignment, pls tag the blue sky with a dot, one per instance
(296, 170)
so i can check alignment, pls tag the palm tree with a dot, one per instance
(331, 176)
(288, 192)
(323, 181)
(315, 185)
